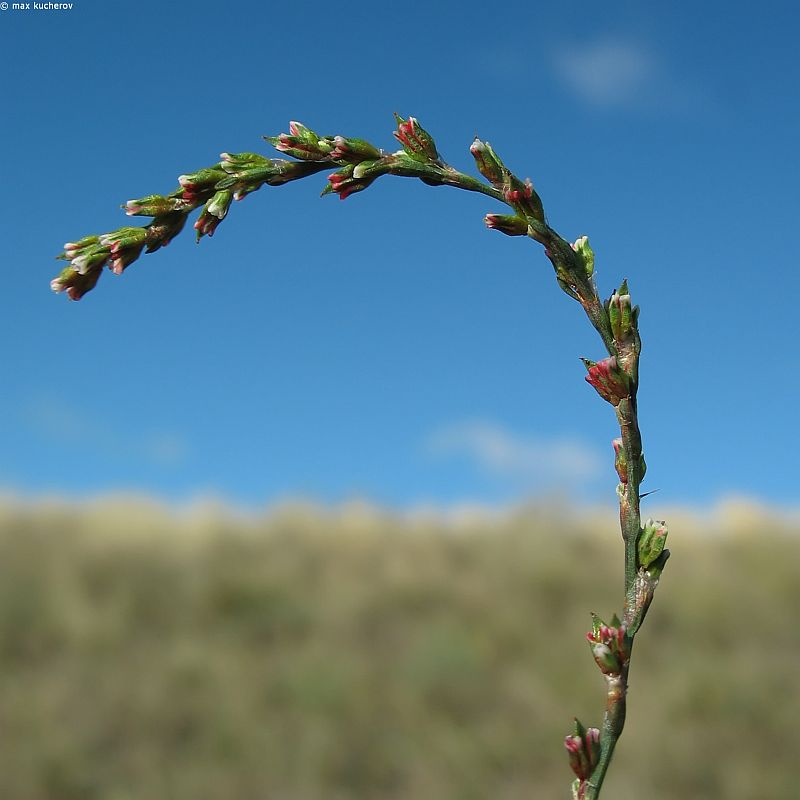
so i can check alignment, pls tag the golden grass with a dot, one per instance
(317, 656)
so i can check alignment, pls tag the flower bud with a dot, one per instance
(201, 181)
(353, 150)
(620, 462)
(302, 143)
(488, 163)
(162, 230)
(154, 205)
(585, 253)
(611, 382)
(91, 258)
(125, 245)
(219, 204)
(610, 645)
(75, 284)
(521, 195)
(652, 541)
(354, 178)
(214, 211)
(509, 224)
(416, 141)
(606, 659)
(231, 163)
(73, 249)
(123, 238)
(621, 315)
(245, 173)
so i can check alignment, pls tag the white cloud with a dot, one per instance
(527, 459)
(610, 72)
(60, 422)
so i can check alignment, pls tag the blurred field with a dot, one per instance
(310, 656)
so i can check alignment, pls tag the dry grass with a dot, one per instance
(306, 656)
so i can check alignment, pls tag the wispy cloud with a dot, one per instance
(530, 460)
(59, 422)
(614, 73)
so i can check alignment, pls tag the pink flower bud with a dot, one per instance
(518, 194)
(620, 464)
(75, 284)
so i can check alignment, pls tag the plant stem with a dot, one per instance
(613, 723)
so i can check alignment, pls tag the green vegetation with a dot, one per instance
(308, 656)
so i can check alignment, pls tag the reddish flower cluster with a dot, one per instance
(584, 751)
(517, 193)
(610, 381)
(416, 141)
(610, 647)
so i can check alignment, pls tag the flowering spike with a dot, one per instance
(416, 141)
(611, 382)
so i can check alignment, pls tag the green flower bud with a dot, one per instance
(202, 180)
(652, 541)
(585, 253)
(353, 150)
(488, 163)
(509, 224)
(621, 315)
(154, 205)
(234, 162)
(620, 462)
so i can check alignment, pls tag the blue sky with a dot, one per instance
(389, 347)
